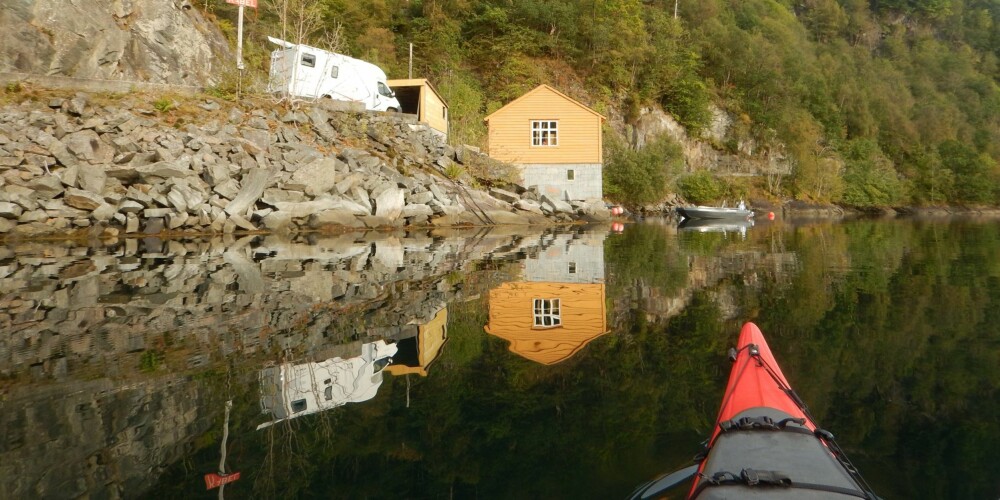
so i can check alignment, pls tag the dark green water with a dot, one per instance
(887, 329)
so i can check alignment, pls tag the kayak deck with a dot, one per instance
(765, 443)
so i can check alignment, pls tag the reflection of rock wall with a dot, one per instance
(66, 308)
(96, 438)
(752, 261)
(122, 318)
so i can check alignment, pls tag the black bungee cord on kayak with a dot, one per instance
(822, 434)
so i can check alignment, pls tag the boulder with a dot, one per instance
(84, 200)
(416, 210)
(104, 212)
(307, 208)
(389, 203)
(277, 221)
(594, 211)
(502, 195)
(318, 176)
(421, 198)
(335, 218)
(163, 170)
(555, 205)
(529, 206)
(88, 146)
(253, 186)
(10, 210)
(46, 187)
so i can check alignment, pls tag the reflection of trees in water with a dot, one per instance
(895, 349)
(885, 329)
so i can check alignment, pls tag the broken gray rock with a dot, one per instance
(84, 200)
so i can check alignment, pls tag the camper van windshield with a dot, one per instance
(380, 364)
(384, 90)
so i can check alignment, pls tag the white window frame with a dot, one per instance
(544, 133)
(547, 313)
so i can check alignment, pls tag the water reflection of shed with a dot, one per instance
(547, 322)
(415, 354)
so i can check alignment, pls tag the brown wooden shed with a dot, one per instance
(418, 97)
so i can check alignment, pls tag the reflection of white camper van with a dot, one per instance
(290, 391)
(306, 71)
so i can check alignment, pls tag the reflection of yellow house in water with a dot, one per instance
(416, 353)
(547, 322)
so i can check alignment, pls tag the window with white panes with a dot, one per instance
(547, 314)
(544, 133)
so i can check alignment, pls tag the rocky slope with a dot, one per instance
(76, 165)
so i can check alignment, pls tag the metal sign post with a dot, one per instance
(239, 41)
(239, 36)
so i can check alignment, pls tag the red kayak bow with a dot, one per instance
(765, 443)
(756, 380)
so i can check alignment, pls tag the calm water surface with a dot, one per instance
(569, 363)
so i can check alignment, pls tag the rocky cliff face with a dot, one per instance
(709, 150)
(159, 41)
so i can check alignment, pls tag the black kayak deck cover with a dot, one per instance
(793, 460)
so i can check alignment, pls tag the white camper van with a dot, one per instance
(290, 391)
(304, 71)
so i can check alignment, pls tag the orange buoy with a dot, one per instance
(770, 216)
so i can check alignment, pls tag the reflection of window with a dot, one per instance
(570, 174)
(544, 133)
(328, 393)
(309, 60)
(547, 313)
(299, 405)
(572, 267)
(334, 71)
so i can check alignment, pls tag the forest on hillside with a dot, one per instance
(875, 102)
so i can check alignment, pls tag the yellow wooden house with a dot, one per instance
(547, 322)
(555, 140)
(417, 96)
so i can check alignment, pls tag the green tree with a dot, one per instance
(639, 177)
(975, 174)
(870, 179)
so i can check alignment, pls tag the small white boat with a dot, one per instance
(739, 212)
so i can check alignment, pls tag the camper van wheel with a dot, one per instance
(392, 110)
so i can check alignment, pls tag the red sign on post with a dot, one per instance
(245, 3)
(214, 480)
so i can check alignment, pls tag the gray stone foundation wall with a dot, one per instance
(553, 180)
